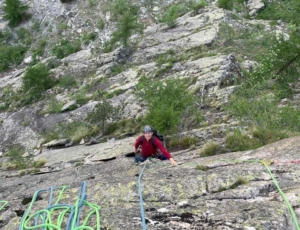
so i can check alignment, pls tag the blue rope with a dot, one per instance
(72, 222)
(141, 197)
(27, 211)
(82, 197)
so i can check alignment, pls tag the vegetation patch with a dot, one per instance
(67, 81)
(181, 143)
(54, 106)
(209, 149)
(17, 161)
(167, 101)
(202, 167)
(74, 131)
(87, 37)
(281, 10)
(11, 55)
(35, 82)
(101, 113)
(251, 40)
(65, 48)
(15, 12)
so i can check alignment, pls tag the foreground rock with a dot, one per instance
(230, 194)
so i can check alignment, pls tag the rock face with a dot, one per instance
(254, 6)
(201, 193)
(214, 75)
(232, 191)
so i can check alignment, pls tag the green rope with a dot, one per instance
(4, 203)
(277, 186)
(65, 212)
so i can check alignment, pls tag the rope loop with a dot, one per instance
(55, 215)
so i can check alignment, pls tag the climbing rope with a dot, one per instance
(286, 162)
(67, 216)
(3, 203)
(141, 197)
(266, 164)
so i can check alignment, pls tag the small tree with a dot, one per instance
(225, 4)
(15, 12)
(126, 16)
(172, 14)
(167, 101)
(36, 81)
(101, 113)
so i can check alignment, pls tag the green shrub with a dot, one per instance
(107, 47)
(21, 33)
(5, 35)
(92, 3)
(111, 128)
(251, 40)
(163, 69)
(77, 164)
(81, 99)
(101, 113)
(183, 142)
(126, 16)
(255, 107)
(202, 167)
(74, 131)
(36, 26)
(196, 6)
(78, 133)
(36, 81)
(11, 55)
(65, 48)
(61, 27)
(172, 14)
(87, 37)
(40, 163)
(209, 149)
(40, 47)
(14, 155)
(67, 81)
(168, 57)
(225, 4)
(115, 93)
(54, 106)
(173, 97)
(240, 181)
(15, 12)
(116, 69)
(267, 136)
(100, 24)
(281, 10)
(238, 141)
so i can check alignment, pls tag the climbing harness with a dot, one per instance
(266, 164)
(67, 216)
(3, 203)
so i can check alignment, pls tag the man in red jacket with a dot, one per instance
(149, 146)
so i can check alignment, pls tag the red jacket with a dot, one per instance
(149, 150)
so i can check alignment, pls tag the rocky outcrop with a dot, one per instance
(254, 6)
(214, 74)
(230, 191)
